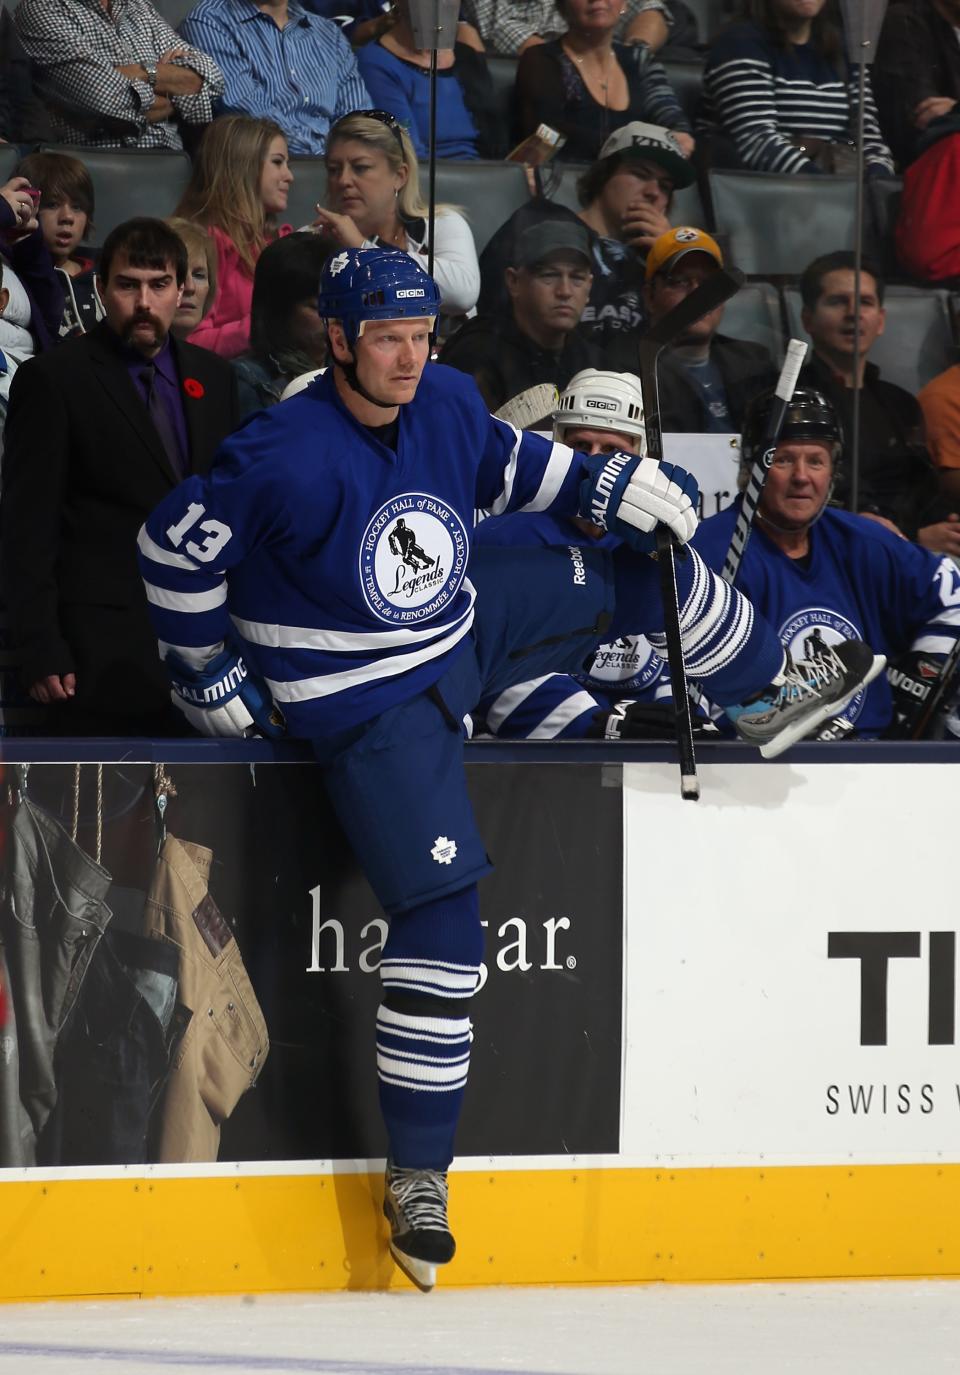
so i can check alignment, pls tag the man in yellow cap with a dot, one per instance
(706, 378)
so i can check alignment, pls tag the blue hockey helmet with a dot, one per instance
(361, 284)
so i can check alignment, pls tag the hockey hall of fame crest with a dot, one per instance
(413, 558)
(814, 629)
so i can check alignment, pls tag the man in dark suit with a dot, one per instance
(97, 433)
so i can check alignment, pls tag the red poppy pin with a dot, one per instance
(193, 388)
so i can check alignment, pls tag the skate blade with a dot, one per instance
(420, 1272)
(802, 729)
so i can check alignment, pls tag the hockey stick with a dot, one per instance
(717, 288)
(783, 392)
(527, 407)
(938, 697)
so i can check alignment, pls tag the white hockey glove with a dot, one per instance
(223, 698)
(631, 496)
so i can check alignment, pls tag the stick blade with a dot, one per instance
(530, 407)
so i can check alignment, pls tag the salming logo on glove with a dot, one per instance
(631, 496)
(219, 691)
(224, 698)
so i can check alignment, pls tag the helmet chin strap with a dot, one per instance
(349, 371)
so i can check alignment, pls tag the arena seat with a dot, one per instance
(487, 192)
(127, 183)
(754, 314)
(883, 197)
(918, 341)
(686, 78)
(10, 155)
(503, 74)
(711, 15)
(775, 225)
(309, 186)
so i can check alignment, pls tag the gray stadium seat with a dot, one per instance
(754, 314)
(883, 198)
(711, 15)
(10, 155)
(775, 225)
(309, 187)
(128, 183)
(503, 74)
(686, 78)
(487, 192)
(918, 341)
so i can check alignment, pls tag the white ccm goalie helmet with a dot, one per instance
(601, 400)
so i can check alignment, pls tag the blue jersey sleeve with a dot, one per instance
(555, 707)
(521, 471)
(205, 527)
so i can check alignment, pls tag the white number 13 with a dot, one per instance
(216, 532)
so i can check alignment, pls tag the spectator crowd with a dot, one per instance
(132, 344)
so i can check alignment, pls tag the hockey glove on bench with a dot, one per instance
(631, 496)
(223, 698)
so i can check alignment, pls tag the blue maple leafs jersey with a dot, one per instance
(858, 582)
(340, 564)
(561, 706)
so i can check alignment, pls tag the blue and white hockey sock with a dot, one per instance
(728, 648)
(429, 971)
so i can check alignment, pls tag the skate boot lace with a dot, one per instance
(810, 676)
(421, 1197)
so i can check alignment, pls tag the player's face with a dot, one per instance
(588, 441)
(832, 323)
(362, 184)
(794, 11)
(391, 356)
(797, 484)
(667, 289)
(275, 177)
(636, 183)
(592, 15)
(140, 303)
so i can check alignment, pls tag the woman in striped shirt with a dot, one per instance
(779, 89)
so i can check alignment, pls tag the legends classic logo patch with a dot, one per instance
(413, 559)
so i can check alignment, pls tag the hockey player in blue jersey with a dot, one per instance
(820, 575)
(624, 690)
(277, 598)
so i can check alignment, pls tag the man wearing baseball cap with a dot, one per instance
(626, 196)
(548, 285)
(706, 379)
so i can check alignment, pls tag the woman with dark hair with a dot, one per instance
(287, 336)
(782, 97)
(585, 85)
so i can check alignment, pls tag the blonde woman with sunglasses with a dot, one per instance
(374, 201)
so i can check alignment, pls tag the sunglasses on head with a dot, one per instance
(382, 117)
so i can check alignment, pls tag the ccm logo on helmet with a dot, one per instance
(406, 292)
(600, 405)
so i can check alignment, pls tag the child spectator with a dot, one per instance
(238, 188)
(66, 218)
(200, 283)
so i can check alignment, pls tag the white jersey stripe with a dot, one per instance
(558, 465)
(309, 689)
(510, 699)
(186, 601)
(151, 550)
(344, 641)
(562, 715)
(509, 473)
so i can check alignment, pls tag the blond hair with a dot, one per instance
(224, 187)
(388, 140)
(197, 240)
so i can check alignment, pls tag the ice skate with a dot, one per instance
(806, 694)
(415, 1205)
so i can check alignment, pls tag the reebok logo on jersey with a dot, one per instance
(579, 570)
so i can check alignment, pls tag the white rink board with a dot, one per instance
(736, 1022)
